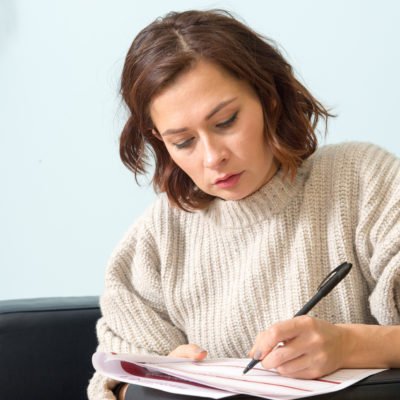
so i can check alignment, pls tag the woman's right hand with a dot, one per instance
(189, 351)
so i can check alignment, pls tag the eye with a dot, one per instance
(183, 144)
(228, 122)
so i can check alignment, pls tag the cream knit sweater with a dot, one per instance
(219, 276)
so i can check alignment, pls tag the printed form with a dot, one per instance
(218, 378)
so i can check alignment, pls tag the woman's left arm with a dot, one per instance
(374, 346)
(315, 347)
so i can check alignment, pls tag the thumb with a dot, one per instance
(189, 351)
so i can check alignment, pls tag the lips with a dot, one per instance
(228, 180)
(224, 178)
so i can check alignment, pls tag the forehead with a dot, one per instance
(200, 88)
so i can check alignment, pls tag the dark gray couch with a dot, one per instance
(46, 346)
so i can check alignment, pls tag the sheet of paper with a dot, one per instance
(116, 368)
(223, 374)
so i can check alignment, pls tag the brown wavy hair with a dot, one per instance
(172, 45)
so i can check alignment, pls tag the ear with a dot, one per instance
(155, 132)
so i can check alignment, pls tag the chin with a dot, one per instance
(233, 196)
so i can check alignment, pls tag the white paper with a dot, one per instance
(110, 365)
(221, 377)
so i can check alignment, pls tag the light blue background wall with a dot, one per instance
(66, 199)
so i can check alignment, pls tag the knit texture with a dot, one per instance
(218, 276)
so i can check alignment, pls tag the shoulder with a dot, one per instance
(353, 159)
(357, 174)
(142, 239)
(351, 170)
(152, 218)
(155, 222)
(351, 151)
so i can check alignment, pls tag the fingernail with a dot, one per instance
(200, 350)
(257, 355)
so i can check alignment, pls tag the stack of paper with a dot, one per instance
(218, 378)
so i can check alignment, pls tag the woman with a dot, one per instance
(251, 216)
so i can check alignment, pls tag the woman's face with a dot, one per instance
(213, 128)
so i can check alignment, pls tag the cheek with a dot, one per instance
(187, 164)
(252, 141)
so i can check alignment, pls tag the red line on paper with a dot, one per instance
(262, 369)
(324, 380)
(243, 380)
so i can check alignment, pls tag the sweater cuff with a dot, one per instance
(101, 388)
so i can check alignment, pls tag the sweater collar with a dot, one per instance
(270, 199)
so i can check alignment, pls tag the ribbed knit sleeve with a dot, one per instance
(134, 318)
(378, 232)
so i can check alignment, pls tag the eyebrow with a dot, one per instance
(214, 111)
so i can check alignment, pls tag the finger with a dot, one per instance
(300, 368)
(264, 343)
(283, 331)
(303, 357)
(292, 367)
(189, 351)
(122, 392)
(291, 350)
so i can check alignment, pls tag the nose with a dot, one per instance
(215, 151)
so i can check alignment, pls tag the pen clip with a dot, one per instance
(331, 274)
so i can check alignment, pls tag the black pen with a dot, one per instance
(330, 281)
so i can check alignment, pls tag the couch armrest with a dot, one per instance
(46, 346)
